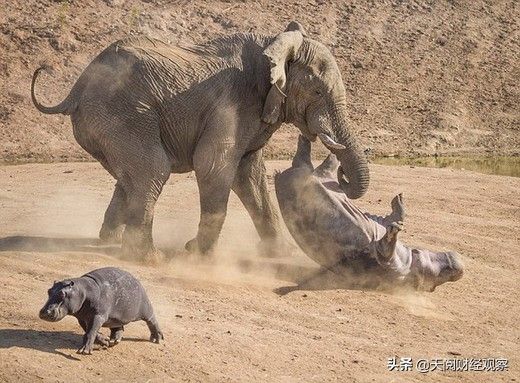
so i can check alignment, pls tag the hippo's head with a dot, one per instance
(430, 269)
(64, 298)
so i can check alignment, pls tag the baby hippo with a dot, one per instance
(335, 233)
(106, 297)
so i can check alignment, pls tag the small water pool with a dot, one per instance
(504, 166)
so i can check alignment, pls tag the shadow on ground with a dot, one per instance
(322, 279)
(46, 245)
(88, 245)
(308, 278)
(46, 341)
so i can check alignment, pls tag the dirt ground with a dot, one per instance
(421, 76)
(223, 320)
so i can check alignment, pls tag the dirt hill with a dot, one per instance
(421, 76)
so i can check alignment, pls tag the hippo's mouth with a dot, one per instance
(52, 315)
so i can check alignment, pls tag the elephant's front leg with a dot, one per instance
(215, 169)
(113, 223)
(250, 185)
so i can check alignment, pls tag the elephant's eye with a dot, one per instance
(318, 92)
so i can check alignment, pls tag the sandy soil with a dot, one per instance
(421, 76)
(221, 318)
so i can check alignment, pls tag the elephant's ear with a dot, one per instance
(279, 52)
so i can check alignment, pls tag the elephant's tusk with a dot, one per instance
(279, 90)
(329, 142)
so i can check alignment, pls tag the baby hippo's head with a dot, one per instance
(431, 269)
(64, 298)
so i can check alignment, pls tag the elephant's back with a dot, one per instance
(149, 68)
(144, 48)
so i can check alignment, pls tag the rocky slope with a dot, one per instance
(422, 76)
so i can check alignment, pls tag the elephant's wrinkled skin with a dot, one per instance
(332, 231)
(145, 109)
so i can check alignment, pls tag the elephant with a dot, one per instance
(145, 109)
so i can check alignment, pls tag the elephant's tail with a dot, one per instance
(65, 107)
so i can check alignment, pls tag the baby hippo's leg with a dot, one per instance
(92, 334)
(156, 334)
(385, 247)
(116, 334)
(100, 338)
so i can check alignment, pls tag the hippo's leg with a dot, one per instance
(385, 247)
(398, 213)
(91, 335)
(328, 168)
(302, 157)
(116, 334)
(100, 338)
(156, 334)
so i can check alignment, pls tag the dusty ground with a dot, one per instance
(421, 76)
(222, 320)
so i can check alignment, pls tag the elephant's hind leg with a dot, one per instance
(113, 223)
(143, 189)
(141, 167)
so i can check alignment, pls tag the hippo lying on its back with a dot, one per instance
(106, 297)
(332, 231)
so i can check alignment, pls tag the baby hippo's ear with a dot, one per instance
(71, 283)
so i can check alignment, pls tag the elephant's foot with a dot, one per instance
(275, 248)
(111, 235)
(194, 246)
(153, 257)
(139, 246)
(398, 212)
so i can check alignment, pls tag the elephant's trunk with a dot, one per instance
(353, 174)
(354, 167)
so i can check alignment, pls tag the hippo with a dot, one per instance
(106, 297)
(362, 247)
